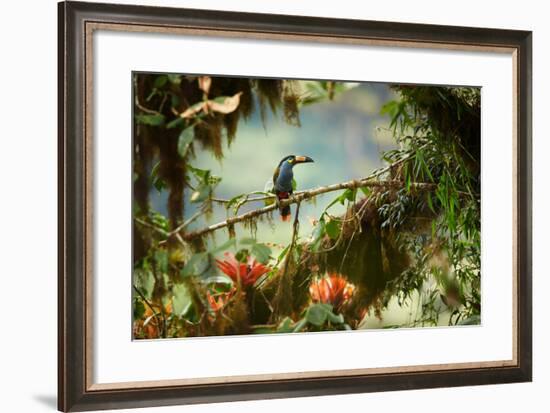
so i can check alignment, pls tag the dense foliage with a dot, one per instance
(410, 233)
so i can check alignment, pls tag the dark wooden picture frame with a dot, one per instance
(77, 21)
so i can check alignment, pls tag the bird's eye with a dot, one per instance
(290, 160)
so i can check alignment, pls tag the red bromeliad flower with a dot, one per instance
(333, 289)
(247, 272)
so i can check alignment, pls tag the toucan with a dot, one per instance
(282, 180)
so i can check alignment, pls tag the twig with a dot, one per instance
(139, 105)
(283, 284)
(246, 200)
(346, 251)
(295, 226)
(186, 223)
(153, 227)
(163, 102)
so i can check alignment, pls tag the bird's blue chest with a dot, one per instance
(284, 180)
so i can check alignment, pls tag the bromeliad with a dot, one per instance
(282, 180)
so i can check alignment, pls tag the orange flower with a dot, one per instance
(332, 289)
(218, 301)
(247, 273)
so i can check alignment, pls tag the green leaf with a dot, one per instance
(234, 200)
(333, 202)
(175, 79)
(201, 194)
(348, 195)
(390, 108)
(317, 314)
(335, 318)
(318, 233)
(332, 229)
(262, 252)
(230, 243)
(300, 325)
(430, 203)
(285, 326)
(181, 299)
(139, 309)
(470, 321)
(366, 190)
(151, 120)
(200, 174)
(161, 260)
(175, 123)
(159, 220)
(159, 184)
(185, 139)
(196, 265)
(160, 81)
(144, 281)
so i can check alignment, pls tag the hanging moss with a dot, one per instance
(209, 134)
(290, 105)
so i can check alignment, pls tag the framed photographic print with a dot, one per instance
(261, 206)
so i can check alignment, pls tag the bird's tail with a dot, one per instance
(285, 213)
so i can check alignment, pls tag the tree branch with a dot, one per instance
(303, 196)
(298, 197)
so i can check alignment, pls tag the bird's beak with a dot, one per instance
(303, 159)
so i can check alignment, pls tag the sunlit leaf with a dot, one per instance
(196, 265)
(201, 194)
(161, 259)
(204, 83)
(181, 299)
(144, 281)
(225, 104)
(192, 110)
(201, 174)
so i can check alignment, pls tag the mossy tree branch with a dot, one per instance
(370, 181)
(304, 196)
